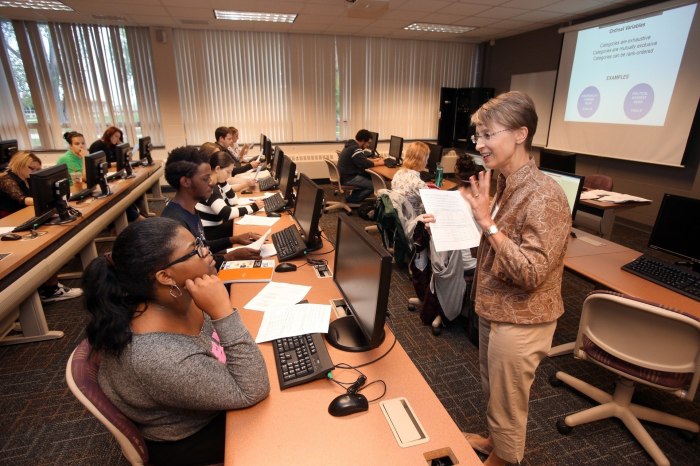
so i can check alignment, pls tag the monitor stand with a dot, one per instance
(345, 334)
(314, 244)
(63, 215)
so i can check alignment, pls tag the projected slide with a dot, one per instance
(625, 73)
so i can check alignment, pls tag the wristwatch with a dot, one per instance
(492, 230)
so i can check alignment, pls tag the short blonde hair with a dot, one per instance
(513, 110)
(416, 155)
(22, 160)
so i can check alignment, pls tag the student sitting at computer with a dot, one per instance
(188, 171)
(225, 140)
(73, 158)
(175, 356)
(236, 150)
(222, 207)
(238, 183)
(15, 195)
(352, 163)
(108, 143)
(407, 180)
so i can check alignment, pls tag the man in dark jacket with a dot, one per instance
(352, 163)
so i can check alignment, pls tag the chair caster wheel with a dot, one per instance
(554, 382)
(563, 428)
(436, 330)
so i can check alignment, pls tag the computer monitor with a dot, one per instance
(263, 138)
(396, 148)
(275, 162)
(7, 150)
(286, 179)
(96, 168)
(124, 160)
(145, 148)
(50, 188)
(362, 273)
(307, 211)
(558, 160)
(267, 152)
(571, 184)
(373, 143)
(434, 157)
(677, 228)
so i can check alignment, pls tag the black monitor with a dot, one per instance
(362, 273)
(307, 211)
(677, 228)
(7, 150)
(571, 184)
(558, 160)
(50, 188)
(396, 148)
(373, 143)
(434, 157)
(267, 152)
(263, 138)
(96, 168)
(124, 160)
(145, 148)
(275, 162)
(286, 179)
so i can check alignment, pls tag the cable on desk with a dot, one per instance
(359, 384)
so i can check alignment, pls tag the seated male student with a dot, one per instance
(352, 163)
(188, 171)
(225, 139)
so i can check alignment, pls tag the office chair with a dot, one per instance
(603, 182)
(334, 177)
(81, 376)
(380, 188)
(642, 343)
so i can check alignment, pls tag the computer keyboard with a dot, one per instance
(274, 203)
(26, 226)
(267, 184)
(390, 162)
(288, 243)
(87, 192)
(301, 359)
(669, 276)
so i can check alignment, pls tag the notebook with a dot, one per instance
(247, 271)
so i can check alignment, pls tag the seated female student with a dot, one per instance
(108, 143)
(174, 355)
(407, 180)
(15, 195)
(74, 156)
(217, 212)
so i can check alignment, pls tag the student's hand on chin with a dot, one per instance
(210, 295)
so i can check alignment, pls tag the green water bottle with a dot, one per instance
(438, 176)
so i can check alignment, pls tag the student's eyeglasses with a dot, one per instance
(486, 136)
(200, 249)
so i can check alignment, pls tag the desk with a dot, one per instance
(32, 262)
(604, 210)
(294, 428)
(389, 173)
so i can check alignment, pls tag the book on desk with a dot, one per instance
(247, 271)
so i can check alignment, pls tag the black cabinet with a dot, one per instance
(456, 108)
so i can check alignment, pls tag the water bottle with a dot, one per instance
(438, 176)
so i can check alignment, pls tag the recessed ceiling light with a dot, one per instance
(253, 16)
(36, 5)
(428, 27)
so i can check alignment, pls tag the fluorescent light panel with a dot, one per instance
(254, 16)
(428, 27)
(36, 5)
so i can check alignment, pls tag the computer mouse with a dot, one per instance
(10, 237)
(286, 267)
(273, 214)
(348, 404)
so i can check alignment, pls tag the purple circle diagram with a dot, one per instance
(588, 101)
(639, 101)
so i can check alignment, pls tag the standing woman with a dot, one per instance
(14, 185)
(108, 143)
(74, 156)
(519, 269)
(174, 355)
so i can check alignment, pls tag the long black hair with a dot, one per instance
(115, 285)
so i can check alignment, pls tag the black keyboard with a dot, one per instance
(301, 359)
(288, 243)
(267, 184)
(427, 176)
(669, 276)
(390, 162)
(80, 195)
(26, 226)
(274, 203)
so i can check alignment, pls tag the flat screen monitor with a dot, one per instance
(145, 148)
(362, 273)
(124, 160)
(677, 228)
(557, 160)
(275, 162)
(571, 184)
(286, 179)
(96, 168)
(267, 152)
(307, 211)
(50, 188)
(434, 157)
(396, 148)
(263, 138)
(373, 143)
(7, 150)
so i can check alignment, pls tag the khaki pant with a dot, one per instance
(508, 357)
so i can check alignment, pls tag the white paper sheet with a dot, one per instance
(4, 230)
(454, 227)
(294, 320)
(257, 220)
(276, 296)
(257, 245)
(268, 250)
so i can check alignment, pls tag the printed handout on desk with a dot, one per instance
(294, 320)
(257, 245)
(454, 227)
(277, 295)
(257, 220)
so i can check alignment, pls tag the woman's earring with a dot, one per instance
(175, 294)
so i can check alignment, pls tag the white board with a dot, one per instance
(540, 87)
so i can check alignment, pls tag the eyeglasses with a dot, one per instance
(200, 249)
(486, 136)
